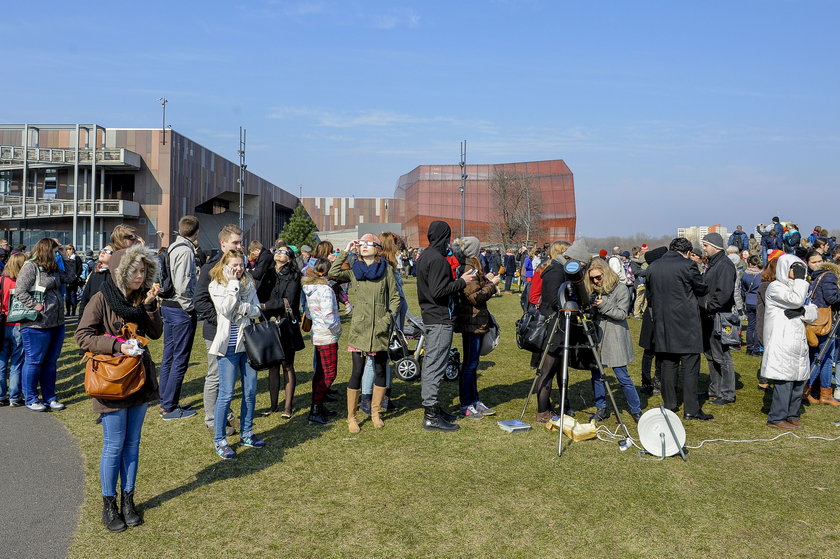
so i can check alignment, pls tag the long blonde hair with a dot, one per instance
(217, 272)
(14, 265)
(608, 281)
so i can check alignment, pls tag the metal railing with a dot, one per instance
(10, 208)
(14, 155)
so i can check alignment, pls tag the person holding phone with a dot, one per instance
(234, 296)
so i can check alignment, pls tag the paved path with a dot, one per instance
(41, 484)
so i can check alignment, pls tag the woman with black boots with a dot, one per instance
(127, 299)
(284, 298)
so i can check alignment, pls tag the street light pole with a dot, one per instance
(241, 180)
(163, 101)
(463, 183)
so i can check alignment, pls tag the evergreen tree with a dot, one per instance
(299, 230)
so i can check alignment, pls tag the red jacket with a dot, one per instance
(7, 285)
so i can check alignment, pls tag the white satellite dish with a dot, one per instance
(657, 436)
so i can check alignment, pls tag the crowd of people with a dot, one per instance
(683, 295)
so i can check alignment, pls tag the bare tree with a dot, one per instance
(518, 203)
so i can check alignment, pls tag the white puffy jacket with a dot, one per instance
(234, 303)
(785, 346)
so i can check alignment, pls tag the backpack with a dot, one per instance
(88, 266)
(164, 274)
(736, 241)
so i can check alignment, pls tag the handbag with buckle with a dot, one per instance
(18, 312)
(822, 325)
(290, 334)
(114, 377)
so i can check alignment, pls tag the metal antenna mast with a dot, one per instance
(241, 180)
(463, 183)
(163, 101)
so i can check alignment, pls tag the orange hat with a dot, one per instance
(774, 254)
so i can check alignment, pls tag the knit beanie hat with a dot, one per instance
(655, 254)
(471, 246)
(713, 239)
(578, 251)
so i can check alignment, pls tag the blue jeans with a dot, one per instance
(824, 370)
(752, 324)
(178, 334)
(11, 364)
(120, 448)
(368, 376)
(232, 366)
(42, 346)
(627, 386)
(468, 379)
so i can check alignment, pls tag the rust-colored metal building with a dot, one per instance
(431, 192)
(52, 175)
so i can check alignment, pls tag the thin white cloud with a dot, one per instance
(371, 118)
(396, 17)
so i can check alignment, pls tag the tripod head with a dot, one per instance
(575, 288)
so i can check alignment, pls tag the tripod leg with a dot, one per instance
(539, 368)
(564, 378)
(528, 399)
(591, 342)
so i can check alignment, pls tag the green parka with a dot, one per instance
(372, 300)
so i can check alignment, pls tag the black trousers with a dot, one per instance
(671, 364)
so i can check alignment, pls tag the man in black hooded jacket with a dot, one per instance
(436, 288)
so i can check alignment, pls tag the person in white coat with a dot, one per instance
(234, 296)
(785, 359)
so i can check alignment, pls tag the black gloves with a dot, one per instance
(799, 271)
(794, 313)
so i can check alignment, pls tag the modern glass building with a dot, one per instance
(77, 182)
(431, 192)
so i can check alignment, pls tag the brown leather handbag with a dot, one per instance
(114, 377)
(822, 325)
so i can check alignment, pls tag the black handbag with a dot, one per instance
(290, 335)
(532, 331)
(262, 344)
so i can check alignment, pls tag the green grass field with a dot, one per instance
(317, 491)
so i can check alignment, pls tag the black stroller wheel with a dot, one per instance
(408, 368)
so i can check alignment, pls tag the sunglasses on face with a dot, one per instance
(597, 278)
(282, 251)
(106, 251)
(369, 244)
(131, 237)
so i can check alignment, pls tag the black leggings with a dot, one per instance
(380, 358)
(551, 367)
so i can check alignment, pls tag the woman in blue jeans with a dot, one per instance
(39, 288)
(11, 350)
(127, 296)
(472, 322)
(611, 300)
(234, 296)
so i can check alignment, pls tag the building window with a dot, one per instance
(5, 182)
(50, 184)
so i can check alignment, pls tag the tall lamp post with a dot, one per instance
(163, 101)
(241, 180)
(463, 183)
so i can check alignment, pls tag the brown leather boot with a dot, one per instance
(827, 397)
(809, 397)
(352, 406)
(376, 406)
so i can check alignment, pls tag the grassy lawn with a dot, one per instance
(480, 492)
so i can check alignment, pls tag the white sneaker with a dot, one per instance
(837, 393)
(37, 406)
(55, 405)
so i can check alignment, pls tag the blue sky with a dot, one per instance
(669, 113)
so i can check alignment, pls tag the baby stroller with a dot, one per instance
(407, 361)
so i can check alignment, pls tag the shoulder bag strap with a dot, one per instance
(289, 313)
(811, 295)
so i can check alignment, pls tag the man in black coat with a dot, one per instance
(230, 238)
(720, 277)
(673, 284)
(436, 288)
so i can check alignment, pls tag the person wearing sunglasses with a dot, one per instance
(611, 302)
(124, 236)
(285, 293)
(376, 302)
